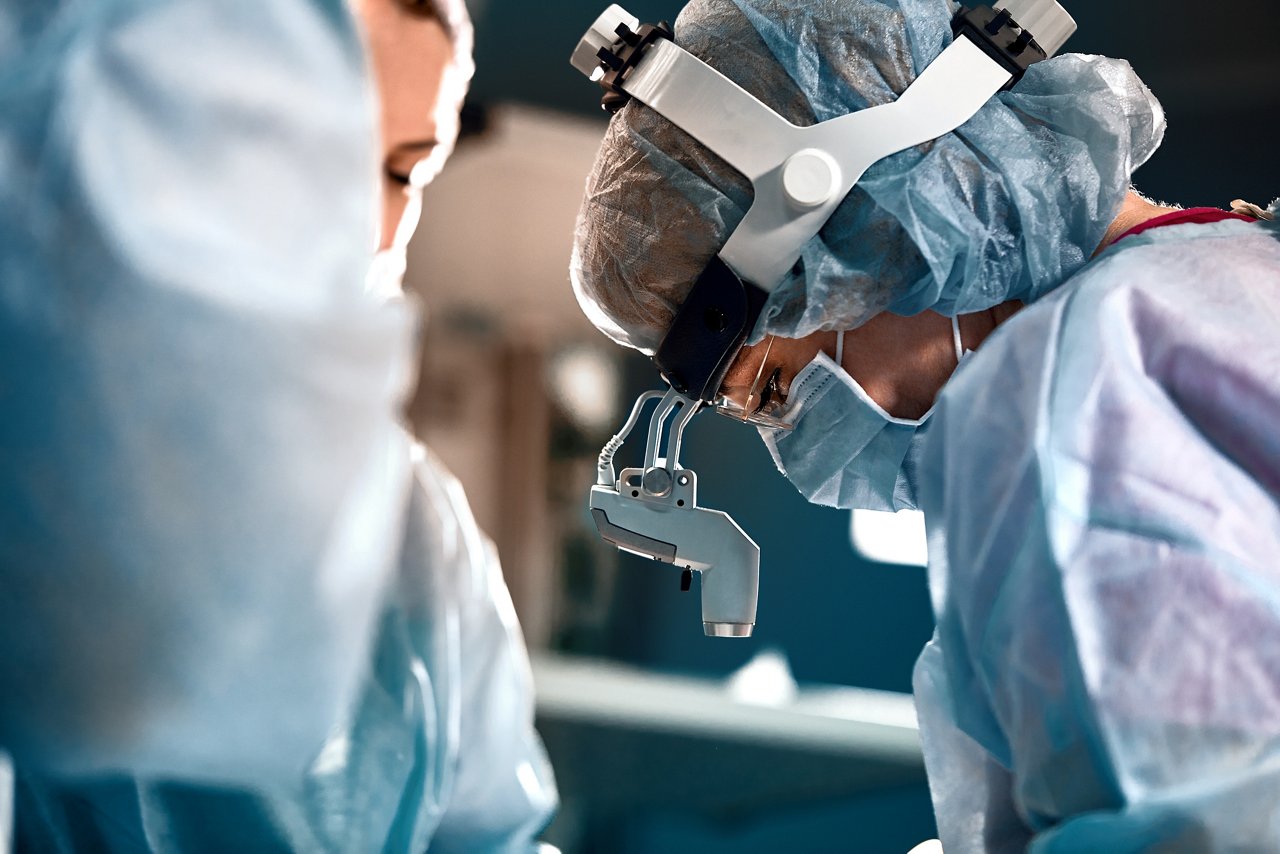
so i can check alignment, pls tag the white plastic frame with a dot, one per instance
(758, 142)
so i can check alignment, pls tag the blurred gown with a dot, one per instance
(1101, 485)
(439, 753)
(213, 539)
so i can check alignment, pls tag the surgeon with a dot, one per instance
(1077, 385)
(240, 610)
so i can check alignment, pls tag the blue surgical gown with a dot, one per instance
(1101, 484)
(202, 470)
(230, 603)
(439, 751)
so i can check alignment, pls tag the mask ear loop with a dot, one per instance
(840, 349)
(755, 383)
(955, 335)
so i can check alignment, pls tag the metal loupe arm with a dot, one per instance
(653, 512)
(675, 421)
(605, 475)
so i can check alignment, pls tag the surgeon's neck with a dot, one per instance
(1136, 210)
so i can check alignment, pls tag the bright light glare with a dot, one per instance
(528, 779)
(585, 382)
(890, 537)
(333, 756)
(765, 680)
(6, 784)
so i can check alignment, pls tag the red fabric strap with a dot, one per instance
(1200, 216)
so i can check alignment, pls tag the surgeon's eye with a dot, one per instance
(400, 160)
(771, 395)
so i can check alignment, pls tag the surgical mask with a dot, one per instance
(844, 449)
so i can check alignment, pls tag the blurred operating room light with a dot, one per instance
(765, 680)
(584, 381)
(933, 846)
(890, 537)
(6, 809)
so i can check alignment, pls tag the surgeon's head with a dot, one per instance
(420, 55)
(1000, 211)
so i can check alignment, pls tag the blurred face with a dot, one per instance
(409, 52)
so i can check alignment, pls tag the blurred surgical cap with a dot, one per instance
(1006, 207)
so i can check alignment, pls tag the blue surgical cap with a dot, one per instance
(1006, 207)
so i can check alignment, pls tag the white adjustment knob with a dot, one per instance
(810, 178)
(1051, 24)
(602, 34)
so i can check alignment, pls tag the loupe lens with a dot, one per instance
(726, 407)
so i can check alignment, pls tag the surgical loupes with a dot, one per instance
(653, 512)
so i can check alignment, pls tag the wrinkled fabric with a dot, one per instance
(1102, 490)
(438, 752)
(1006, 207)
(203, 474)
(844, 449)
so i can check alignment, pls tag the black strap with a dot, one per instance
(709, 330)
